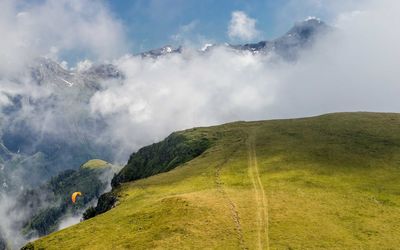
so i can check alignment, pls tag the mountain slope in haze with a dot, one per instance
(90, 179)
(42, 210)
(58, 131)
(314, 183)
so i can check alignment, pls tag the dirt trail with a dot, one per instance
(261, 200)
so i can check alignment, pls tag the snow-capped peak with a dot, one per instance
(206, 46)
(311, 18)
(167, 49)
(69, 84)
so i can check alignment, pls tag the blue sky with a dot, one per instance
(74, 30)
(154, 23)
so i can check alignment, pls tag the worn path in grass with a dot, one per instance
(261, 200)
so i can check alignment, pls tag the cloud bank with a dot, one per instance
(53, 28)
(181, 91)
(351, 69)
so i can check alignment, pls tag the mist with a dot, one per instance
(354, 67)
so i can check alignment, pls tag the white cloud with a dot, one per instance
(187, 36)
(242, 27)
(69, 221)
(7, 225)
(185, 32)
(182, 91)
(84, 65)
(57, 27)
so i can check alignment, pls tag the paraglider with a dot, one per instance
(74, 195)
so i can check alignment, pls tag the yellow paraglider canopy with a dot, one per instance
(74, 195)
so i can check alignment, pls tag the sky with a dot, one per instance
(154, 23)
(75, 30)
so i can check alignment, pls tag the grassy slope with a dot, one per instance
(329, 182)
(95, 164)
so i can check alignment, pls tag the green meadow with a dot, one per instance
(326, 182)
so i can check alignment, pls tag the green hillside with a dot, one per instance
(327, 182)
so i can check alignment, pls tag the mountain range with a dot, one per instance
(301, 36)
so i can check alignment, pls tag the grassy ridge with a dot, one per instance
(323, 182)
(96, 164)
